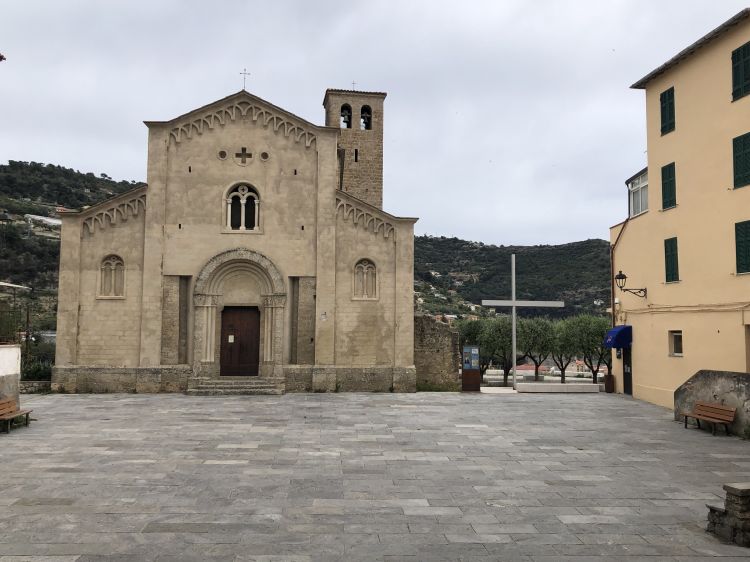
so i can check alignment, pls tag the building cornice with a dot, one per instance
(685, 53)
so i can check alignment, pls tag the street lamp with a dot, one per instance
(621, 279)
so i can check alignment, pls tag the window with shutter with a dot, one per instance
(667, 111)
(742, 245)
(741, 161)
(668, 187)
(741, 72)
(670, 260)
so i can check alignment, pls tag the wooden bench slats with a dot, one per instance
(9, 411)
(714, 413)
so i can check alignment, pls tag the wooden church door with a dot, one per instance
(240, 340)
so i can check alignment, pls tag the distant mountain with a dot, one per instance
(467, 272)
(449, 273)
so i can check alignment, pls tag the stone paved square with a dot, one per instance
(300, 477)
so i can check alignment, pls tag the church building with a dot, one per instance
(257, 259)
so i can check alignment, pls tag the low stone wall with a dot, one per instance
(556, 387)
(174, 378)
(722, 387)
(437, 356)
(10, 371)
(732, 522)
(298, 378)
(313, 378)
(77, 379)
(34, 387)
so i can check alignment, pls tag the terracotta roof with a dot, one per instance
(703, 41)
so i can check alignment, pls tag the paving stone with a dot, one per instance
(360, 477)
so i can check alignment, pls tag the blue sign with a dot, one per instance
(471, 358)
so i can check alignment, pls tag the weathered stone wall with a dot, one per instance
(109, 327)
(363, 149)
(722, 387)
(78, 379)
(436, 354)
(300, 378)
(303, 320)
(34, 387)
(170, 319)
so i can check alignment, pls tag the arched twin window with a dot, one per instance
(112, 277)
(242, 208)
(365, 280)
(365, 117)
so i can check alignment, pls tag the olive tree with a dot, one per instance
(535, 339)
(590, 332)
(564, 345)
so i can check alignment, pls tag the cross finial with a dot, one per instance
(245, 74)
(354, 85)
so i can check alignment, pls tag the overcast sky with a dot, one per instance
(507, 121)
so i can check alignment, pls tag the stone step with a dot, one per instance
(234, 391)
(244, 381)
(236, 384)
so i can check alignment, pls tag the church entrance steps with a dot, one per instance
(204, 386)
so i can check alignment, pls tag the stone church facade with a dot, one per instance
(258, 259)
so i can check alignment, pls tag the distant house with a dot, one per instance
(46, 222)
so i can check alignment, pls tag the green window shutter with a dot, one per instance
(668, 187)
(741, 72)
(742, 244)
(741, 147)
(670, 260)
(667, 111)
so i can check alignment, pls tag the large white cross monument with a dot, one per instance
(513, 303)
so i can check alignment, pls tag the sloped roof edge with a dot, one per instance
(703, 41)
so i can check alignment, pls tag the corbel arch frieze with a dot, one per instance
(118, 211)
(361, 216)
(257, 113)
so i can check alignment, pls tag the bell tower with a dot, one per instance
(359, 115)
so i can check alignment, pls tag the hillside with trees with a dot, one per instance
(466, 272)
(449, 273)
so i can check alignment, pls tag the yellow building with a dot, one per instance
(686, 241)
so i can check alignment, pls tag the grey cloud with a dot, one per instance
(508, 122)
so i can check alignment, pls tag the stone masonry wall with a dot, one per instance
(363, 169)
(721, 387)
(306, 321)
(170, 319)
(34, 387)
(78, 379)
(436, 354)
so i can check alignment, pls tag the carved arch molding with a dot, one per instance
(117, 212)
(236, 110)
(207, 295)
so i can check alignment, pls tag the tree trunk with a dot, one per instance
(562, 376)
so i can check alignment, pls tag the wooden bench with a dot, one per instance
(714, 413)
(9, 411)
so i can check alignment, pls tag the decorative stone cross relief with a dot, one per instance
(244, 155)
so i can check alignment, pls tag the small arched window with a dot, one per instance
(365, 280)
(346, 116)
(365, 118)
(242, 208)
(112, 277)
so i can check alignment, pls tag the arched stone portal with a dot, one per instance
(239, 277)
